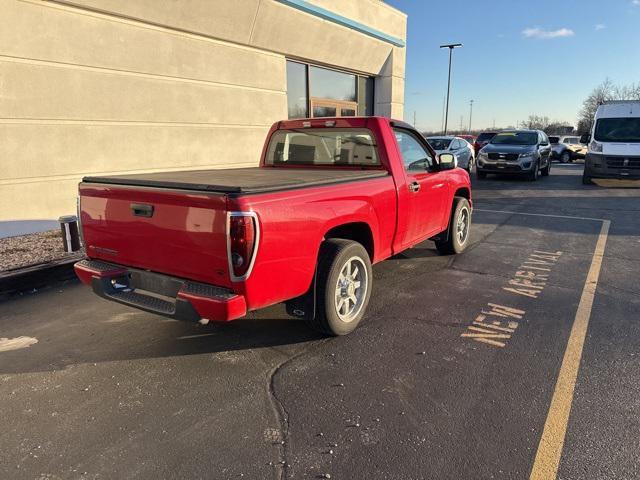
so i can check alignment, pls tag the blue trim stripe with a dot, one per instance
(344, 21)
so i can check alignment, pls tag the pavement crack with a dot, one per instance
(282, 414)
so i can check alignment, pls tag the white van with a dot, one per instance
(614, 142)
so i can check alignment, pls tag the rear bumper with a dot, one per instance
(161, 294)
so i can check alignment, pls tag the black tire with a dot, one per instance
(565, 157)
(480, 175)
(453, 244)
(546, 170)
(534, 174)
(333, 257)
(586, 179)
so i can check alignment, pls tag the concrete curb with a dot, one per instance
(37, 276)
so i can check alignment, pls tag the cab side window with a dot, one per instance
(415, 157)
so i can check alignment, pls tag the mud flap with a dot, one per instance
(304, 306)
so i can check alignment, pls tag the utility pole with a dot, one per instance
(470, 114)
(444, 99)
(450, 46)
(414, 119)
(461, 123)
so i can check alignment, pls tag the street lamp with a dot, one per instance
(470, 114)
(450, 46)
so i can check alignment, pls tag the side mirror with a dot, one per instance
(447, 161)
(585, 138)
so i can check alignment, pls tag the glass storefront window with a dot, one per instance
(365, 96)
(297, 99)
(332, 85)
(320, 92)
(324, 111)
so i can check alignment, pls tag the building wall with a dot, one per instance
(120, 86)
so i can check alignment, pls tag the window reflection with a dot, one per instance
(320, 111)
(319, 92)
(297, 90)
(332, 85)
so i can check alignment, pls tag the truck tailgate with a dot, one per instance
(173, 232)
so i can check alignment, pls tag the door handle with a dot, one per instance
(439, 185)
(414, 187)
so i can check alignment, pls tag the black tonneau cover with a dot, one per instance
(240, 180)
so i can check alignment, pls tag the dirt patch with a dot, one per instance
(32, 249)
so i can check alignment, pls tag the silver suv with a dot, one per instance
(517, 152)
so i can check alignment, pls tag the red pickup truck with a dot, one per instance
(330, 197)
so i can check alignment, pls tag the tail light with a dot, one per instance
(242, 243)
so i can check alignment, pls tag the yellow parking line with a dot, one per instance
(550, 447)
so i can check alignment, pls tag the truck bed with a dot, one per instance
(240, 180)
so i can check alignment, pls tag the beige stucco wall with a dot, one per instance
(120, 86)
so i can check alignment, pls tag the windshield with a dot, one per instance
(571, 140)
(483, 137)
(323, 147)
(554, 140)
(515, 138)
(439, 143)
(618, 130)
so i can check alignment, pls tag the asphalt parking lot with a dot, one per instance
(454, 374)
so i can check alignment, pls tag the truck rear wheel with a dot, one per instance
(343, 287)
(457, 235)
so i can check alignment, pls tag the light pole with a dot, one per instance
(470, 114)
(450, 46)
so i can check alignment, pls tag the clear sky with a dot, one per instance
(519, 57)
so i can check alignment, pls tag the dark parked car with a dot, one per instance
(482, 140)
(520, 152)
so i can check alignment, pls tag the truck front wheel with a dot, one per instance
(457, 235)
(343, 287)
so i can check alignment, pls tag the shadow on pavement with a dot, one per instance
(99, 331)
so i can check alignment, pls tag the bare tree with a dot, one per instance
(536, 122)
(606, 91)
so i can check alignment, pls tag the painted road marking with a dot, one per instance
(540, 215)
(8, 344)
(529, 282)
(549, 452)
(547, 461)
(493, 331)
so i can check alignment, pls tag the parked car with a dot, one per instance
(567, 148)
(331, 197)
(471, 139)
(519, 152)
(614, 142)
(482, 140)
(459, 147)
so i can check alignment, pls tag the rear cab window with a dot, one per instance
(323, 147)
